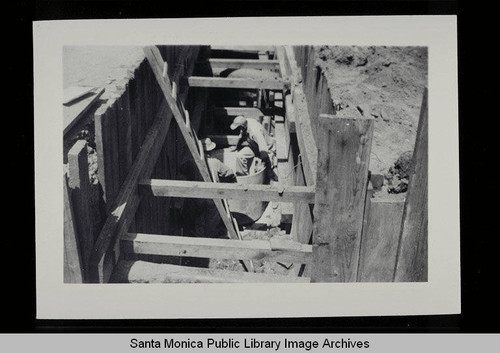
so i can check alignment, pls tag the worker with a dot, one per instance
(260, 144)
(200, 217)
(223, 173)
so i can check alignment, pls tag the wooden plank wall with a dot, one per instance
(120, 130)
(391, 236)
(394, 241)
(72, 260)
(315, 85)
(121, 125)
(81, 201)
(310, 96)
(344, 146)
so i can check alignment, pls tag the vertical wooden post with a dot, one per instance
(104, 162)
(305, 174)
(80, 192)
(344, 146)
(302, 221)
(111, 115)
(411, 264)
(124, 134)
(132, 88)
(72, 264)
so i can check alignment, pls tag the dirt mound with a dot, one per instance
(383, 82)
(399, 174)
(355, 56)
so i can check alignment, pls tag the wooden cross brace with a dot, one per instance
(158, 67)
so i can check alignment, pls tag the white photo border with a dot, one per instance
(440, 295)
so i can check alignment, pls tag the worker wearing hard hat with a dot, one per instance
(260, 144)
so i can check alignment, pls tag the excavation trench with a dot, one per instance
(132, 126)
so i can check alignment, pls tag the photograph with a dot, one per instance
(285, 176)
(245, 163)
(246, 167)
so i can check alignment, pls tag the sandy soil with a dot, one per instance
(386, 83)
(100, 66)
(108, 67)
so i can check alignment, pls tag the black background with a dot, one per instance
(478, 112)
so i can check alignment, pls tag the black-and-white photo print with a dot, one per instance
(245, 163)
(247, 167)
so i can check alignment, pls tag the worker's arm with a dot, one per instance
(239, 144)
(264, 155)
(264, 152)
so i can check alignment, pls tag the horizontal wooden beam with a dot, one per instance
(257, 249)
(244, 64)
(223, 82)
(207, 190)
(149, 272)
(244, 48)
(247, 112)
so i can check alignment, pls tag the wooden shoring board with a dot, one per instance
(153, 56)
(126, 203)
(290, 115)
(210, 190)
(106, 250)
(344, 146)
(72, 261)
(280, 51)
(297, 120)
(302, 220)
(244, 48)
(303, 126)
(255, 249)
(412, 257)
(224, 82)
(149, 272)
(79, 184)
(379, 242)
(243, 64)
(282, 139)
(249, 113)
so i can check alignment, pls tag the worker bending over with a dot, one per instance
(260, 144)
(222, 172)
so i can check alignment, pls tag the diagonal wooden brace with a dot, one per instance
(157, 65)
